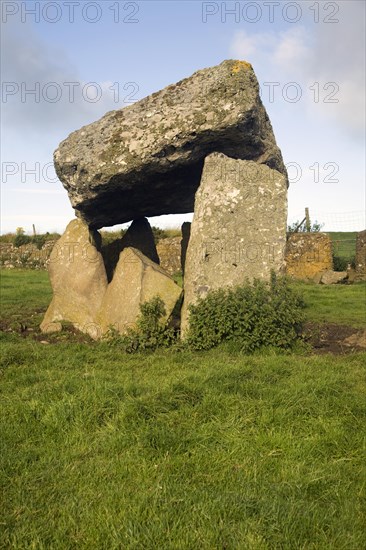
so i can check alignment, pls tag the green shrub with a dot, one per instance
(340, 263)
(21, 239)
(150, 332)
(254, 315)
(39, 241)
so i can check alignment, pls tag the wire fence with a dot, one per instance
(344, 248)
(335, 221)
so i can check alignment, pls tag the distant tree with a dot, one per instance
(300, 227)
(20, 237)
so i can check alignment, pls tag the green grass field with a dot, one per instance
(344, 243)
(184, 450)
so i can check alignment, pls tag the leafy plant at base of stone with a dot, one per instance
(253, 315)
(150, 332)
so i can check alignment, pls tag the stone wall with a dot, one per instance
(25, 256)
(169, 251)
(361, 256)
(308, 254)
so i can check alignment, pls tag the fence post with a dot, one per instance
(307, 216)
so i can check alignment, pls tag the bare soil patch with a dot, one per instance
(333, 338)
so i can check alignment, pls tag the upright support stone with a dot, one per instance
(136, 280)
(186, 233)
(140, 236)
(238, 229)
(78, 279)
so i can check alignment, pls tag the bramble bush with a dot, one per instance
(150, 332)
(253, 315)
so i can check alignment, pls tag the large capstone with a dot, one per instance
(238, 230)
(147, 159)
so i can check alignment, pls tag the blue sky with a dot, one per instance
(85, 58)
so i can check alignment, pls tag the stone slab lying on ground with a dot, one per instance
(146, 159)
(136, 280)
(238, 229)
(331, 277)
(78, 280)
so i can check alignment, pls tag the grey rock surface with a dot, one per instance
(238, 229)
(147, 159)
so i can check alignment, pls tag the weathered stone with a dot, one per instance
(169, 254)
(147, 159)
(136, 280)
(331, 277)
(238, 229)
(78, 280)
(186, 233)
(361, 256)
(308, 255)
(140, 236)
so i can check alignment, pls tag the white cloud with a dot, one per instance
(323, 53)
(252, 47)
(42, 89)
(292, 50)
(39, 191)
(245, 46)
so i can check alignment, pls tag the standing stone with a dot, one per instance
(78, 280)
(186, 233)
(136, 280)
(238, 229)
(140, 236)
(361, 256)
